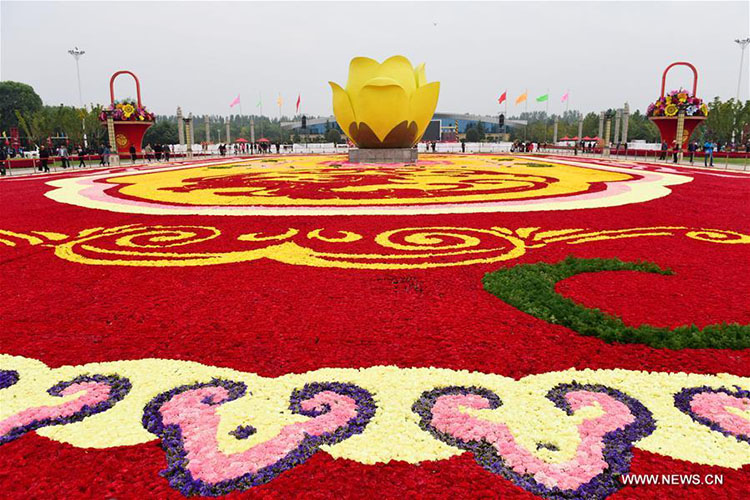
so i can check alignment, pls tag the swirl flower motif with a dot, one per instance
(671, 110)
(385, 105)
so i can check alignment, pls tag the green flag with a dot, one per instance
(542, 98)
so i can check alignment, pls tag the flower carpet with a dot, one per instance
(297, 326)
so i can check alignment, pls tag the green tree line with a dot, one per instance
(21, 107)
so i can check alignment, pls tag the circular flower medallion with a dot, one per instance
(327, 185)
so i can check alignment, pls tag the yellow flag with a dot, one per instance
(279, 101)
(522, 97)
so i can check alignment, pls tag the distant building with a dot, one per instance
(447, 124)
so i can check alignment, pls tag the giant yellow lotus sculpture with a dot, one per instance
(385, 105)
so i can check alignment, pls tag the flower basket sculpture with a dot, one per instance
(664, 113)
(131, 119)
(385, 105)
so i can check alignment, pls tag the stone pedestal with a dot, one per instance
(390, 155)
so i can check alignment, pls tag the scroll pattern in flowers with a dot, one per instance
(720, 409)
(400, 248)
(94, 394)
(566, 434)
(602, 454)
(187, 421)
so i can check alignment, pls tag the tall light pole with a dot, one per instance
(744, 42)
(77, 53)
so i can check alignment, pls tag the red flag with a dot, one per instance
(502, 97)
(299, 99)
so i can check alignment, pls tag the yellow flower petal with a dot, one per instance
(400, 69)
(342, 108)
(422, 106)
(381, 107)
(361, 70)
(420, 76)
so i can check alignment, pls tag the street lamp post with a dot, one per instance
(743, 43)
(77, 53)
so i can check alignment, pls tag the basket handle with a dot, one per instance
(664, 76)
(112, 86)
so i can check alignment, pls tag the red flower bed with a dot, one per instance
(251, 309)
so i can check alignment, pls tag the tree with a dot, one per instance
(590, 125)
(16, 96)
(472, 135)
(162, 132)
(480, 131)
(723, 117)
(333, 135)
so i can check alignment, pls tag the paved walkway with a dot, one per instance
(719, 163)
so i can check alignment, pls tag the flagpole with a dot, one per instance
(526, 107)
(260, 102)
(567, 101)
(546, 115)
(505, 124)
(281, 132)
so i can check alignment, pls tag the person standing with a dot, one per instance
(691, 149)
(3, 158)
(664, 147)
(104, 161)
(166, 152)
(43, 159)
(80, 153)
(64, 156)
(148, 151)
(132, 153)
(708, 152)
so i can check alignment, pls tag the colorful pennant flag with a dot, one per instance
(522, 97)
(235, 102)
(299, 100)
(260, 102)
(502, 97)
(279, 101)
(564, 97)
(542, 98)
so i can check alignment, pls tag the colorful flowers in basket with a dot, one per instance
(127, 111)
(676, 101)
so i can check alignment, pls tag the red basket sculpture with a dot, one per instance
(667, 123)
(130, 126)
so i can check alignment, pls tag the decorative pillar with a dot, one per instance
(114, 158)
(189, 134)
(607, 130)
(208, 129)
(580, 129)
(554, 132)
(180, 126)
(625, 119)
(229, 138)
(680, 134)
(252, 130)
(618, 117)
(601, 125)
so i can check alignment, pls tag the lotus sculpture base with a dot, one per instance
(383, 155)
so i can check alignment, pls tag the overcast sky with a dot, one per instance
(200, 55)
